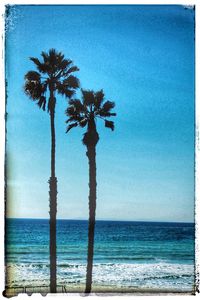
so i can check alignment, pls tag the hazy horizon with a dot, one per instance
(86, 220)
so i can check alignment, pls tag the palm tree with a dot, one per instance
(54, 76)
(82, 113)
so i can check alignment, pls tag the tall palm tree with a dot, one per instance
(54, 76)
(82, 113)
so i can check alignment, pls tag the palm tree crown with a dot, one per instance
(85, 111)
(55, 74)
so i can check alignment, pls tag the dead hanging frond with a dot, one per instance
(109, 124)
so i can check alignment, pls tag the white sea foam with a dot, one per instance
(160, 275)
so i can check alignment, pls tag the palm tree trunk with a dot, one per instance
(53, 207)
(91, 153)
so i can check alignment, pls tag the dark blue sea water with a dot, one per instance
(127, 254)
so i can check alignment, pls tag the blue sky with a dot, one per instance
(143, 58)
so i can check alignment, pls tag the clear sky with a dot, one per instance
(143, 58)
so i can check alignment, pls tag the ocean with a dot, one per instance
(127, 255)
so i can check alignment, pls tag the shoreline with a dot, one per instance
(66, 286)
(96, 290)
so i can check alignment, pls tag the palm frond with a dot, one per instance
(78, 105)
(102, 113)
(40, 66)
(71, 82)
(60, 88)
(64, 90)
(58, 63)
(52, 57)
(108, 105)
(45, 57)
(99, 97)
(70, 126)
(34, 89)
(75, 118)
(71, 119)
(54, 61)
(64, 64)
(77, 113)
(71, 70)
(42, 103)
(109, 124)
(67, 86)
(32, 76)
(70, 111)
(69, 93)
(88, 97)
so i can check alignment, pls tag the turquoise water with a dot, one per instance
(127, 254)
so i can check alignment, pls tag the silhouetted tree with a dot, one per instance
(82, 113)
(54, 76)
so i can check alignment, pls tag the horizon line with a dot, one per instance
(104, 220)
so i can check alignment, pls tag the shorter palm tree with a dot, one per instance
(81, 113)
